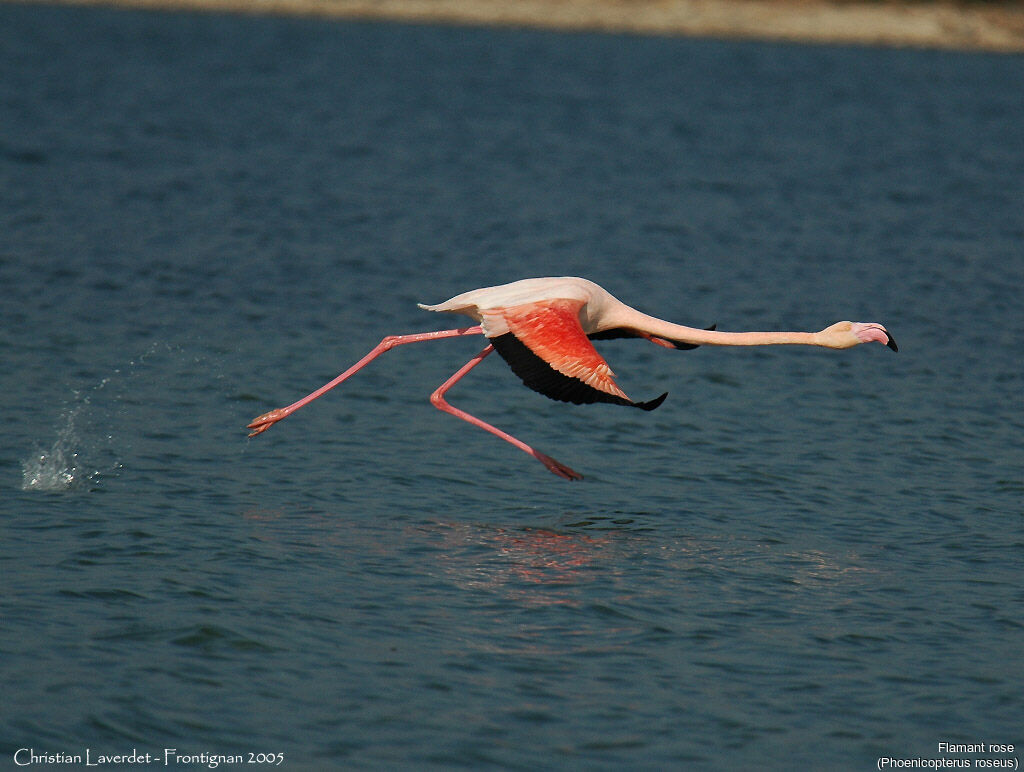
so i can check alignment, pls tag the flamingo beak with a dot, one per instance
(870, 332)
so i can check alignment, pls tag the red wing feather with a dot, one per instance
(551, 329)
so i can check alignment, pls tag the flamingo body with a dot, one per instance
(525, 292)
(544, 327)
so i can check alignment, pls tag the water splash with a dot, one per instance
(84, 452)
(70, 462)
(58, 468)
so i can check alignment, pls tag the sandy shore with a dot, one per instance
(924, 24)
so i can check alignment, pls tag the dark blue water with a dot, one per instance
(804, 558)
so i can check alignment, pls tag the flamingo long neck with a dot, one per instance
(684, 334)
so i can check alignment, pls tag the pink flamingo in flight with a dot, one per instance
(543, 328)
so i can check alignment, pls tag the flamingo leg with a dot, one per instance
(437, 400)
(265, 421)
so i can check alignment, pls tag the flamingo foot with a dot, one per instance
(265, 421)
(557, 467)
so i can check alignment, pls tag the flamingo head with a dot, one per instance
(850, 334)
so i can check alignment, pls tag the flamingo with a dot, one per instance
(543, 329)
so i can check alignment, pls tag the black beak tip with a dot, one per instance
(891, 343)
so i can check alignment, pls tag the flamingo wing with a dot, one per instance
(545, 345)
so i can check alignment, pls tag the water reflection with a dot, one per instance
(520, 561)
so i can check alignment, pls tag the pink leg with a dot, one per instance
(265, 421)
(438, 401)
